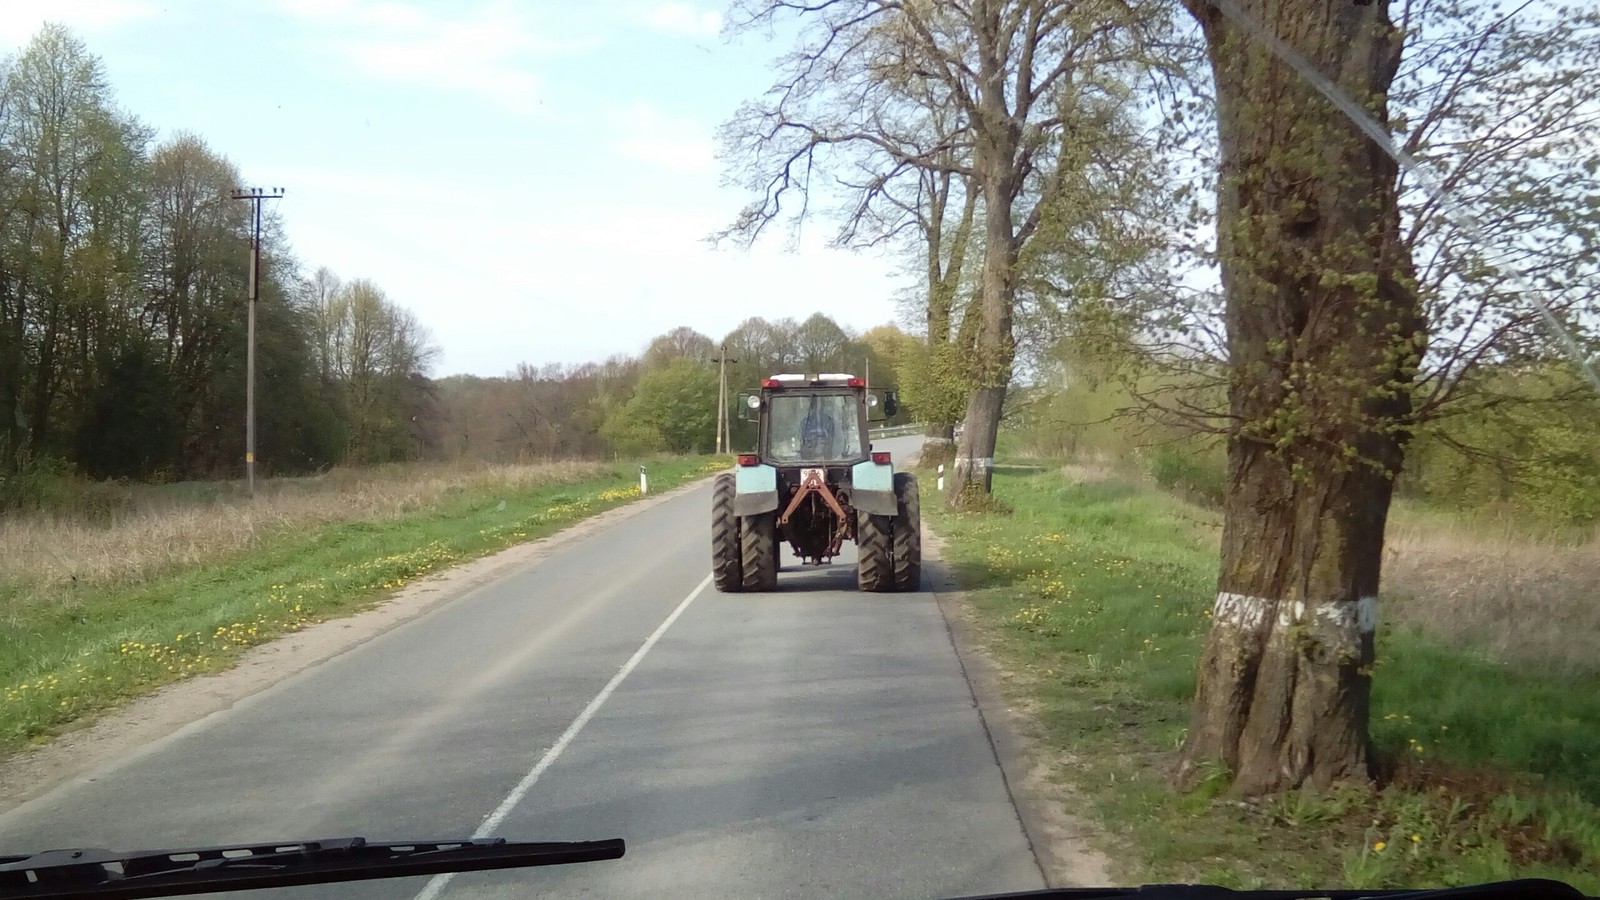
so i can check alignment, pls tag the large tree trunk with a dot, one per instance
(994, 348)
(944, 266)
(1324, 337)
(995, 145)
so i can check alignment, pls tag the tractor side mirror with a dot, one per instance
(875, 411)
(750, 407)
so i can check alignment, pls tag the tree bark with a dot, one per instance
(1324, 337)
(995, 144)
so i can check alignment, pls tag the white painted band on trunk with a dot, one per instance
(1240, 610)
(1340, 615)
(974, 462)
(1247, 612)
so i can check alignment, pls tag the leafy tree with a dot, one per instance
(674, 409)
(377, 355)
(682, 342)
(71, 169)
(1324, 337)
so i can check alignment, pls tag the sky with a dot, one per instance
(534, 179)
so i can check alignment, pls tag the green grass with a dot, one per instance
(62, 662)
(1095, 596)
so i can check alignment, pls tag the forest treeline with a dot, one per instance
(123, 266)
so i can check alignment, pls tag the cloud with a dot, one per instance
(487, 49)
(643, 133)
(23, 18)
(677, 17)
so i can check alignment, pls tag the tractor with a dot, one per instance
(815, 482)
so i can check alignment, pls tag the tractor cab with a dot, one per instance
(811, 419)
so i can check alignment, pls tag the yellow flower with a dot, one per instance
(1379, 845)
(1416, 838)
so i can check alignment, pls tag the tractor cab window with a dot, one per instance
(814, 428)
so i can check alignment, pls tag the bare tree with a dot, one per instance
(1503, 107)
(1010, 68)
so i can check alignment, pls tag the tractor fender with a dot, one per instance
(872, 488)
(755, 490)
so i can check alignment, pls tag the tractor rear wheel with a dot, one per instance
(907, 535)
(758, 537)
(874, 549)
(726, 571)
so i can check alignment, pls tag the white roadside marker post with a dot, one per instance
(644, 482)
(941, 476)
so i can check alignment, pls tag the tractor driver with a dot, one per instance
(816, 434)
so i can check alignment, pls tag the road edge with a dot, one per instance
(1062, 843)
(143, 720)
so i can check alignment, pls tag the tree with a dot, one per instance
(378, 355)
(122, 278)
(70, 168)
(1502, 109)
(682, 342)
(674, 409)
(1324, 338)
(822, 346)
(1012, 68)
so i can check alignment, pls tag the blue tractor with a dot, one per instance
(815, 482)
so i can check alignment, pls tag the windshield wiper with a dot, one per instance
(202, 870)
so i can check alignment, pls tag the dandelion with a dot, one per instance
(1416, 838)
(1379, 845)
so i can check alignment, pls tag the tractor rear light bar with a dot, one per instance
(749, 459)
(831, 379)
(880, 456)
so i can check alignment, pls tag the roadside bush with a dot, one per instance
(45, 486)
(1190, 470)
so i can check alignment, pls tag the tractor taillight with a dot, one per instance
(880, 456)
(771, 383)
(750, 459)
(856, 382)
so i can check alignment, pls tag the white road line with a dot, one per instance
(437, 883)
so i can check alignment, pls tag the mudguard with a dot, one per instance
(755, 490)
(872, 488)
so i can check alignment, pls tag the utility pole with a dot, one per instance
(724, 429)
(256, 196)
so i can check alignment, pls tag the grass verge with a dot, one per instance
(1094, 595)
(97, 643)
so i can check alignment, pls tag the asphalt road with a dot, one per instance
(812, 742)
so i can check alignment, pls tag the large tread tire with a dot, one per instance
(726, 569)
(874, 548)
(907, 536)
(758, 537)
